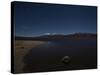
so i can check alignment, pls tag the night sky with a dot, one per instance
(39, 19)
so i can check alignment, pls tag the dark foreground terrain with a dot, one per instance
(38, 55)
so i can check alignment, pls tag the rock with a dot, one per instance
(66, 59)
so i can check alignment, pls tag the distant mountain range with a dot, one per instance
(60, 37)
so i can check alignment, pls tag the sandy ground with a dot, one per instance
(37, 56)
(20, 50)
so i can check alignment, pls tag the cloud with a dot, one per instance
(50, 33)
(47, 33)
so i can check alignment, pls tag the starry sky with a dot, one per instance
(33, 19)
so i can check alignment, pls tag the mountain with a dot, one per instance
(60, 37)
